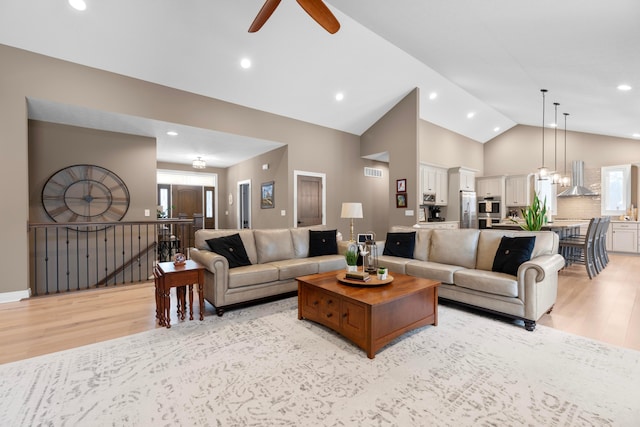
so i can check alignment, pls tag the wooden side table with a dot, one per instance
(167, 276)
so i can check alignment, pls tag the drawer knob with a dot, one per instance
(315, 303)
(329, 315)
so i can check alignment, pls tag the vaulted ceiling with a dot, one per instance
(489, 58)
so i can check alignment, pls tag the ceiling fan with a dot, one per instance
(315, 8)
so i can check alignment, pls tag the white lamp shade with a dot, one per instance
(351, 210)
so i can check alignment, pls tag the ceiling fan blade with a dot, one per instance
(321, 13)
(267, 9)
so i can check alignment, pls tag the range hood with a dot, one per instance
(577, 182)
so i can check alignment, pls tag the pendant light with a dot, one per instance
(566, 181)
(555, 177)
(543, 172)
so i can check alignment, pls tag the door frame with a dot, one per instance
(239, 204)
(321, 175)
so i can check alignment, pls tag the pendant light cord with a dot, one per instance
(555, 137)
(565, 142)
(544, 91)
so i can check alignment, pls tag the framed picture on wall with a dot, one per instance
(267, 200)
(401, 185)
(401, 200)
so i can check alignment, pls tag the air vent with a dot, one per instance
(373, 172)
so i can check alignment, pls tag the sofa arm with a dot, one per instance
(542, 265)
(218, 266)
(538, 284)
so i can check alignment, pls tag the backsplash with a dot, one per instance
(582, 207)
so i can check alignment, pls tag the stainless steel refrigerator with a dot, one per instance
(468, 210)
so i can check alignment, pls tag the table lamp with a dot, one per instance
(351, 211)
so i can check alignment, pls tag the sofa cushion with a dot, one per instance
(489, 241)
(512, 252)
(432, 270)
(252, 275)
(300, 238)
(423, 241)
(400, 244)
(487, 281)
(454, 247)
(395, 264)
(246, 235)
(291, 268)
(273, 245)
(232, 248)
(330, 263)
(322, 243)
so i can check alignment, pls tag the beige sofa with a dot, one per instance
(277, 257)
(462, 260)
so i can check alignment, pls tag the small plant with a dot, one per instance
(352, 257)
(382, 270)
(535, 216)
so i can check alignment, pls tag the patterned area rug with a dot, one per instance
(261, 366)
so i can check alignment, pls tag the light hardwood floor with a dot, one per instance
(606, 308)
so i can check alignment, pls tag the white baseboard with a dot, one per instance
(14, 296)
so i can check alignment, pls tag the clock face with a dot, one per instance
(85, 193)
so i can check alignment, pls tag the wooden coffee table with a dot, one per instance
(368, 316)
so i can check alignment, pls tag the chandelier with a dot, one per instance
(199, 163)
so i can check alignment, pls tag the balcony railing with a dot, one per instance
(67, 257)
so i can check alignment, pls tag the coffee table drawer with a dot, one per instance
(354, 322)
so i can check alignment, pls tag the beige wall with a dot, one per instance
(442, 147)
(24, 74)
(397, 134)
(54, 146)
(519, 151)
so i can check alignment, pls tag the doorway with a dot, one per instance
(244, 204)
(309, 199)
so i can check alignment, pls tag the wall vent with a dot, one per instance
(373, 172)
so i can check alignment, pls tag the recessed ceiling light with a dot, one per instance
(624, 87)
(78, 4)
(433, 95)
(172, 133)
(553, 125)
(339, 96)
(496, 129)
(636, 135)
(245, 63)
(471, 115)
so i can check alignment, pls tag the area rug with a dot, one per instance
(261, 366)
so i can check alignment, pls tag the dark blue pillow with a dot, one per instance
(232, 248)
(512, 252)
(400, 244)
(322, 243)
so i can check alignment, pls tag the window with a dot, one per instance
(616, 189)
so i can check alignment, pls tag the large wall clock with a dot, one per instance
(85, 193)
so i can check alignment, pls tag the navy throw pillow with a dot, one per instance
(512, 252)
(400, 244)
(322, 243)
(232, 248)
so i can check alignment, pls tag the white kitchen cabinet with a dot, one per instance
(490, 186)
(517, 190)
(461, 179)
(435, 181)
(624, 237)
(442, 187)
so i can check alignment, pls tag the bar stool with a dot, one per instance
(581, 249)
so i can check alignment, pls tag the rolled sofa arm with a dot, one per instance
(543, 265)
(538, 284)
(217, 282)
